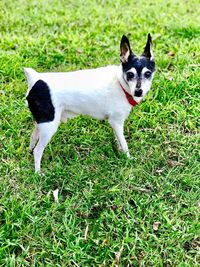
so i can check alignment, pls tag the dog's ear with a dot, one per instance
(125, 49)
(148, 52)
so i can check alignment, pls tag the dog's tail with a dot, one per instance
(32, 77)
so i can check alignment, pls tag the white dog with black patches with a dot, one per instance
(102, 93)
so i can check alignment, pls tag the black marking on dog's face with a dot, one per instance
(139, 63)
(39, 102)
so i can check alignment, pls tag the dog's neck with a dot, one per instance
(121, 80)
(129, 97)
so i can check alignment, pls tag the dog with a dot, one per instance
(103, 93)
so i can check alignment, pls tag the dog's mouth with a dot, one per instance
(138, 92)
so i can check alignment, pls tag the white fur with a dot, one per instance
(95, 92)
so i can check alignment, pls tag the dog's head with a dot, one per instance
(137, 71)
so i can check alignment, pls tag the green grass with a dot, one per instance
(115, 199)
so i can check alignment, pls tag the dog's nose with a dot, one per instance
(138, 92)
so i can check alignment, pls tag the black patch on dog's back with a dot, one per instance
(39, 102)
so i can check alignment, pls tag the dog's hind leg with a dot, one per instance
(46, 131)
(118, 128)
(34, 138)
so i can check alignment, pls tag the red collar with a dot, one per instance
(129, 97)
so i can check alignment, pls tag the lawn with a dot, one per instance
(111, 211)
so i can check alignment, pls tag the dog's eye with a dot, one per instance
(147, 74)
(130, 75)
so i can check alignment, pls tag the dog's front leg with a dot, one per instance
(118, 128)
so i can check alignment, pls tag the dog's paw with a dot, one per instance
(40, 173)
